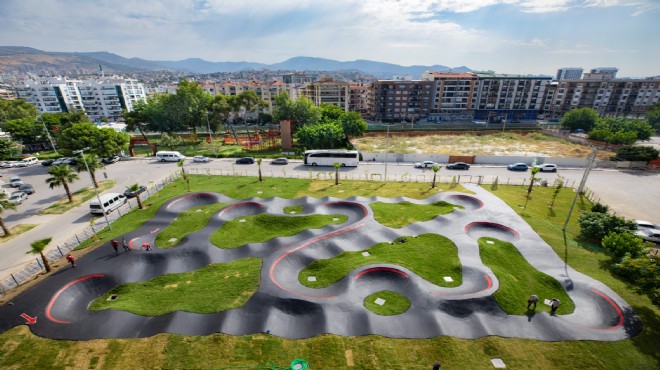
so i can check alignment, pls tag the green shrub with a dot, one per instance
(623, 245)
(636, 153)
(600, 208)
(594, 226)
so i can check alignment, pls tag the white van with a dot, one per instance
(109, 202)
(28, 162)
(170, 156)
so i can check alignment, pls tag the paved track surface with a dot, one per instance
(286, 308)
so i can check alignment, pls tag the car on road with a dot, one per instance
(47, 162)
(8, 164)
(245, 160)
(59, 161)
(641, 224)
(517, 167)
(15, 182)
(458, 166)
(110, 160)
(425, 164)
(279, 161)
(71, 161)
(649, 235)
(26, 162)
(132, 194)
(547, 167)
(201, 159)
(17, 197)
(26, 188)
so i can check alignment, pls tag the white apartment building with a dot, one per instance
(99, 98)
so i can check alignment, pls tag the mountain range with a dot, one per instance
(24, 59)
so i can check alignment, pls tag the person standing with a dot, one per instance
(532, 300)
(554, 305)
(115, 246)
(71, 260)
(146, 246)
(125, 245)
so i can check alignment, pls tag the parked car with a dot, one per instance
(649, 235)
(8, 164)
(646, 225)
(132, 194)
(26, 162)
(59, 161)
(425, 164)
(47, 162)
(517, 167)
(71, 161)
(110, 160)
(26, 188)
(458, 166)
(15, 182)
(245, 160)
(547, 167)
(17, 197)
(201, 159)
(279, 161)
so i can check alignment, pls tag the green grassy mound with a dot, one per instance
(395, 303)
(518, 279)
(420, 255)
(212, 288)
(398, 215)
(294, 209)
(187, 222)
(264, 227)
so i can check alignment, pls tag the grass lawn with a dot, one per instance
(16, 231)
(293, 209)
(394, 304)
(420, 255)
(402, 214)
(212, 288)
(186, 223)
(79, 197)
(518, 280)
(19, 348)
(264, 227)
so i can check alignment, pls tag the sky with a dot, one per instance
(506, 36)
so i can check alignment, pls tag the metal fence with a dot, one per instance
(27, 270)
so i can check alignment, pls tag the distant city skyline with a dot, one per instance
(507, 36)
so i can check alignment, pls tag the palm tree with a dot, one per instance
(94, 164)
(62, 175)
(259, 164)
(435, 169)
(38, 248)
(337, 167)
(134, 188)
(4, 205)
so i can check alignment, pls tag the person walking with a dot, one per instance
(532, 300)
(115, 246)
(554, 305)
(125, 245)
(71, 260)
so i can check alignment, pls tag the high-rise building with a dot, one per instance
(327, 91)
(610, 72)
(569, 73)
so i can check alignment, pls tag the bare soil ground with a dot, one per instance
(534, 144)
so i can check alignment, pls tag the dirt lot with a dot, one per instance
(534, 144)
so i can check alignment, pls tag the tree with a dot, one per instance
(637, 153)
(93, 163)
(8, 148)
(134, 188)
(38, 248)
(320, 136)
(353, 124)
(559, 184)
(644, 273)
(580, 118)
(302, 111)
(532, 179)
(136, 120)
(621, 130)
(625, 244)
(265, 118)
(330, 113)
(5, 205)
(337, 166)
(17, 109)
(170, 141)
(435, 169)
(62, 175)
(653, 116)
(188, 105)
(25, 130)
(595, 226)
(259, 166)
(103, 142)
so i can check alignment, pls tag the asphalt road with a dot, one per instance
(633, 194)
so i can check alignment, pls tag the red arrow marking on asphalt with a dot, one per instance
(28, 318)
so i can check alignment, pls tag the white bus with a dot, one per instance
(109, 202)
(323, 157)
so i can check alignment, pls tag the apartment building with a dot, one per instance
(99, 98)
(500, 97)
(394, 100)
(569, 73)
(7, 92)
(454, 95)
(358, 99)
(327, 91)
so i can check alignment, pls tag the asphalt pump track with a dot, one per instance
(284, 307)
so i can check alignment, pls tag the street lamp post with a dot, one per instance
(96, 191)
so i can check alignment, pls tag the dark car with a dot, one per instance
(517, 167)
(458, 166)
(110, 160)
(47, 162)
(26, 188)
(71, 161)
(245, 160)
(132, 194)
(279, 161)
